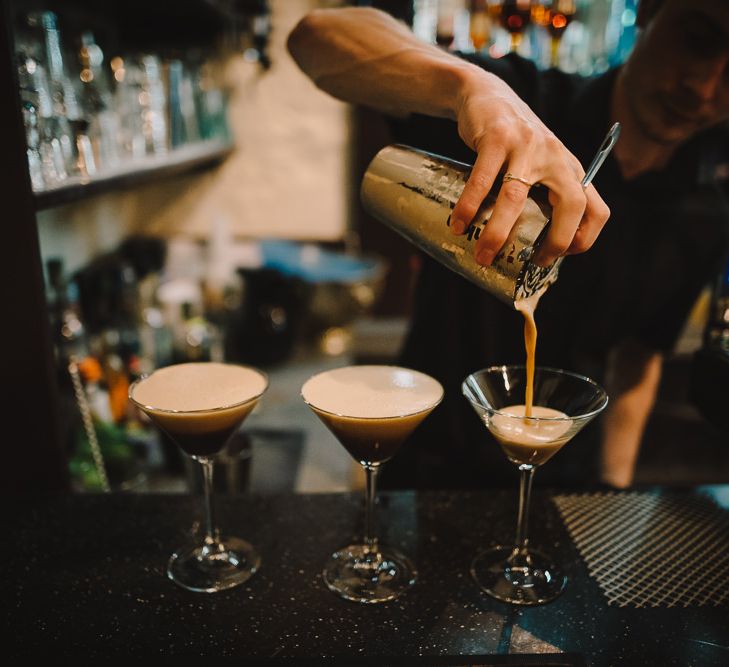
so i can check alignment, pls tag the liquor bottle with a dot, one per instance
(64, 121)
(96, 98)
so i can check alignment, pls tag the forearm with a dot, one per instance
(632, 385)
(364, 56)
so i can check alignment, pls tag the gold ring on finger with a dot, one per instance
(508, 176)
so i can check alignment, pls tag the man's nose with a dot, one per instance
(704, 81)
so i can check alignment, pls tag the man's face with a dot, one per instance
(677, 78)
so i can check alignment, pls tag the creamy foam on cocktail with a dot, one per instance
(532, 441)
(372, 409)
(372, 391)
(199, 404)
(203, 386)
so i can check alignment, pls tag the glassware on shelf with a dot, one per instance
(563, 404)
(88, 117)
(154, 105)
(128, 106)
(97, 101)
(480, 24)
(64, 121)
(515, 17)
(554, 16)
(371, 410)
(200, 406)
(141, 103)
(210, 102)
(181, 110)
(33, 152)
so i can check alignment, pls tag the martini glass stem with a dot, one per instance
(526, 472)
(211, 532)
(370, 538)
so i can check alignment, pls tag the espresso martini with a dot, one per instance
(371, 410)
(199, 405)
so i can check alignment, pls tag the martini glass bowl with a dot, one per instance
(564, 403)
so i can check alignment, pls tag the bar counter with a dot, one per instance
(85, 575)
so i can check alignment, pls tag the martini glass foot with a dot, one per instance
(510, 576)
(213, 567)
(358, 574)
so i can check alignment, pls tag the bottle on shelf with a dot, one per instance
(97, 102)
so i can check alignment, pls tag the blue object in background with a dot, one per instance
(313, 264)
(621, 30)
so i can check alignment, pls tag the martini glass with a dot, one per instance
(563, 403)
(371, 410)
(199, 406)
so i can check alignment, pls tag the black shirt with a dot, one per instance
(666, 239)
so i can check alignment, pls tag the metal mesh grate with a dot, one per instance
(651, 550)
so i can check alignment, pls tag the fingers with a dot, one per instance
(508, 207)
(479, 183)
(594, 219)
(578, 214)
(565, 237)
(568, 206)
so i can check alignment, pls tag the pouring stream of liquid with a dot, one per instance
(527, 306)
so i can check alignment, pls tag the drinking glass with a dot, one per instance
(564, 403)
(199, 406)
(554, 16)
(515, 16)
(371, 410)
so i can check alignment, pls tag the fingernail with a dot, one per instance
(484, 257)
(458, 226)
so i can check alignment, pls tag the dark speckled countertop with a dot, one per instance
(84, 575)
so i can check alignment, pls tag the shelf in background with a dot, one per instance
(185, 159)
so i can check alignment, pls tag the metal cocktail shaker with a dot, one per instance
(414, 192)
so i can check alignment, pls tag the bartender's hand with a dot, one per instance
(364, 56)
(509, 138)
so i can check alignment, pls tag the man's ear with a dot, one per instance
(647, 9)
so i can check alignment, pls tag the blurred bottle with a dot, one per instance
(97, 102)
(515, 16)
(147, 256)
(425, 19)
(46, 154)
(554, 16)
(65, 125)
(194, 337)
(141, 103)
(31, 121)
(127, 96)
(153, 103)
(479, 24)
(181, 111)
(210, 102)
(68, 330)
(445, 23)
(621, 30)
